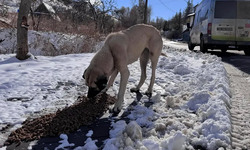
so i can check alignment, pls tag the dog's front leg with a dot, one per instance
(123, 83)
(111, 81)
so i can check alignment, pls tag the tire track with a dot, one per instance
(240, 113)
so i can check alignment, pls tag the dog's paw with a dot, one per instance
(104, 90)
(149, 94)
(115, 111)
(134, 90)
(117, 107)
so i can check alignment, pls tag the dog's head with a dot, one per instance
(95, 80)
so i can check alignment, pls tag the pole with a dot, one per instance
(145, 12)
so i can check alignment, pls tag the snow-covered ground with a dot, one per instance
(11, 5)
(189, 108)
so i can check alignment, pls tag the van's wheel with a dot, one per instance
(247, 52)
(203, 47)
(190, 45)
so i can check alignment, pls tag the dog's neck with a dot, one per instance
(100, 59)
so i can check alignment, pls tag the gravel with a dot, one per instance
(63, 121)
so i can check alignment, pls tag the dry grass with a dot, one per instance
(65, 26)
(89, 31)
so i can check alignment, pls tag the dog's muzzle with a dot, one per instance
(92, 92)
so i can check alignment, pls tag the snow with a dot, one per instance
(177, 142)
(64, 142)
(49, 8)
(13, 5)
(90, 133)
(189, 107)
(89, 145)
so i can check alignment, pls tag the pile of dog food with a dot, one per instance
(63, 121)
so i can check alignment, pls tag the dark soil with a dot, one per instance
(64, 121)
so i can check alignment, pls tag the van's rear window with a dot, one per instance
(225, 9)
(243, 9)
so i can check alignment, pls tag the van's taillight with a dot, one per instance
(209, 28)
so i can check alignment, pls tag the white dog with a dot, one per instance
(120, 49)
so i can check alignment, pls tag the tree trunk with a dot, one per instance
(22, 30)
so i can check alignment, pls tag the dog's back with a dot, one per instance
(142, 29)
(134, 40)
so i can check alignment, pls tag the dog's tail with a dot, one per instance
(162, 54)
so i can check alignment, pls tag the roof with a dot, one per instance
(45, 8)
(49, 7)
(189, 15)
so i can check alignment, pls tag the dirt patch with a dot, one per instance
(63, 121)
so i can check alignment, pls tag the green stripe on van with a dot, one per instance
(224, 38)
(230, 38)
(242, 39)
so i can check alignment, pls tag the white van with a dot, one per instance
(221, 24)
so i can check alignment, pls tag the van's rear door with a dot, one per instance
(224, 22)
(243, 21)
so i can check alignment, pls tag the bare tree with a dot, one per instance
(144, 11)
(159, 23)
(188, 10)
(100, 9)
(133, 15)
(22, 30)
(3, 10)
(133, 2)
(126, 16)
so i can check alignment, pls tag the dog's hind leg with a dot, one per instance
(154, 60)
(143, 63)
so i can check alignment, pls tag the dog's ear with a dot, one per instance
(84, 73)
(101, 82)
